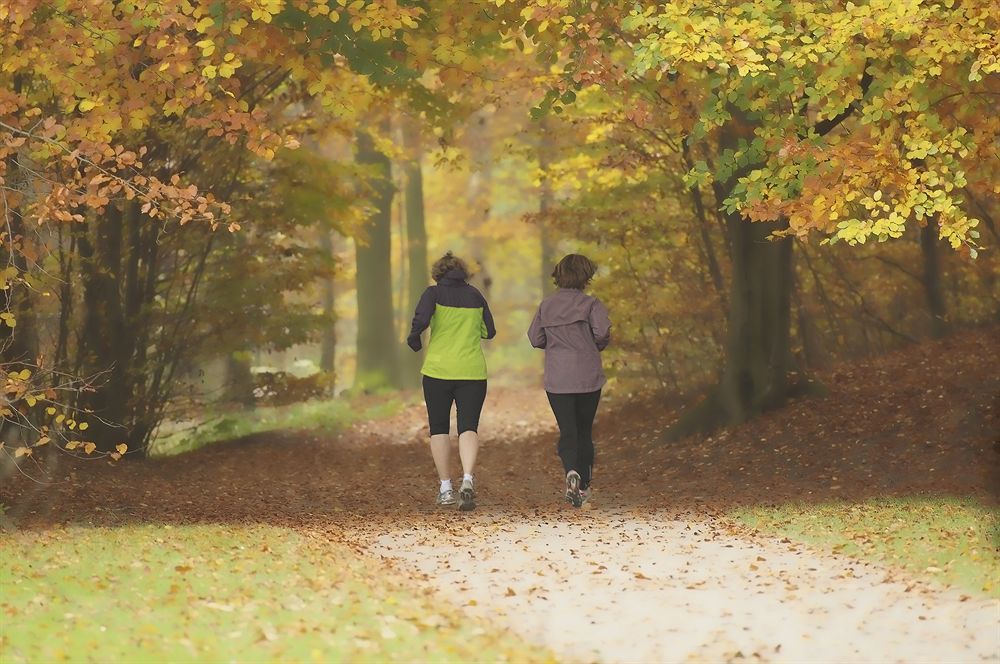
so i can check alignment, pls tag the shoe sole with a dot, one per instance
(573, 495)
(466, 500)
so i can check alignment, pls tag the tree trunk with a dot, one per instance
(480, 193)
(19, 344)
(703, 230)
(328, 341)
(239, 379)
(931, 280)
(759, 321)
(377, 346)
(416, 243)
(105, 343)
(755, 377)
(544, 205)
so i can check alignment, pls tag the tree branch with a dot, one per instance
(824, 127)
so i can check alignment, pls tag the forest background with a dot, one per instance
(212, 207)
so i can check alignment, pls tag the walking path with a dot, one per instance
(618, 586)
(620, 583)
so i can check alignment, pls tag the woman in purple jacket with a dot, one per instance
(573, 328)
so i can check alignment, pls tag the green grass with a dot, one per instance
(322, 415)
(221, 593)
(950, 540)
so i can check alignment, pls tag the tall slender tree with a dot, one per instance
(377, 346)
(545, 201)
(416, 237)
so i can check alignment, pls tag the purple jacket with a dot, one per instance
(573, 328)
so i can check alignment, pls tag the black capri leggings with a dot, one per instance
(468, 396)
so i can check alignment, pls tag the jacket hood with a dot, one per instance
(565, 306)
(453, 276)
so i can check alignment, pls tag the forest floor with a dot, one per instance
(857, 527)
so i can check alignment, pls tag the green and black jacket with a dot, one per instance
(459, 318)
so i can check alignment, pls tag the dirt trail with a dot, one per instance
(618, 586)
(621, 583)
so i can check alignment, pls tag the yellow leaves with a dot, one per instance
(229, 65)
(6, 276)
(204, 24)
(207, 47)
(88, 447)
(209, 71)
(87, 105)
(8, 319)
(236, 27)
(22, 451)
(261, 14)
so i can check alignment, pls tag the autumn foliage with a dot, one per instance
(173, 173)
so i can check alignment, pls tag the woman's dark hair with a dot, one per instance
(574, 271)
(446, 264)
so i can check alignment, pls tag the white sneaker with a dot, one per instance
(447, 497)
(467, 496)
(573, 495)
(584, 495)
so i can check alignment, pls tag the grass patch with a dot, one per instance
(953, 541)
(218, 593)
(327, 414)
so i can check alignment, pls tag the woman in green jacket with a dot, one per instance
(454, 370)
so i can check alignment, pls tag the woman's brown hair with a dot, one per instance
(446, 264)
(574, 271)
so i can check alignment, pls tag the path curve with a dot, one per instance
(621, 583)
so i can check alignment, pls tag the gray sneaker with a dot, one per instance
(573, 495)
(467, 496)
(447, 497)
(584, 495)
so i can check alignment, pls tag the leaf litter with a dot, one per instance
(678, 576)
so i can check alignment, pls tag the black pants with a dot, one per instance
(467, 395)
(575, 416)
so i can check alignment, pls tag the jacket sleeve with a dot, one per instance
(600, 324)
(536, 333)
(488, 329)
(421, 318)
